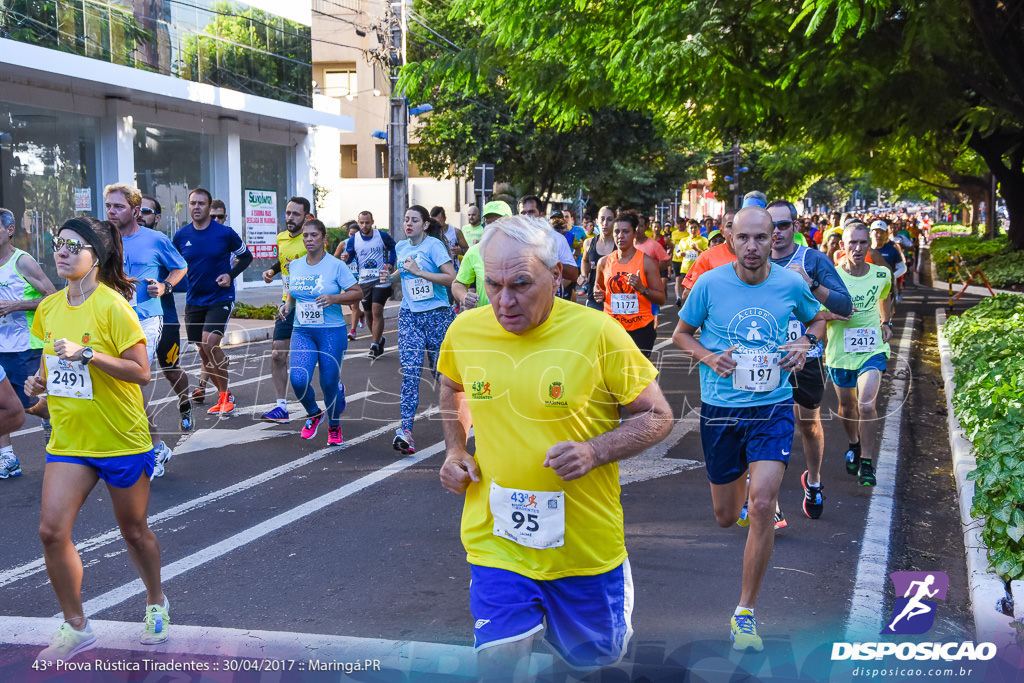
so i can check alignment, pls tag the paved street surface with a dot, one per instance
(275, 548)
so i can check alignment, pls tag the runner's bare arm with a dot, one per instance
(459, 468)
(649, 422)
(132, 366)
(722, 363)
(35, 276)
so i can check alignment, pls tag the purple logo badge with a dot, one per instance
(914, 611)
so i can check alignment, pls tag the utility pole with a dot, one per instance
(398, 127)
(736, 174)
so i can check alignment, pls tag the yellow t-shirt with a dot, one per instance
(677, 239)
(288, 249)
(113, 422)
(562, 381)
(689, 249)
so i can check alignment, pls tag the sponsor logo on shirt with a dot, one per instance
(481, 390)
(556, 396)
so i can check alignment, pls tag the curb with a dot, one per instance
(987, 590)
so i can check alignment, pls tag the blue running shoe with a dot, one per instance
(276, 414)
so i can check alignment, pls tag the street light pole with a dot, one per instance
(398, 127)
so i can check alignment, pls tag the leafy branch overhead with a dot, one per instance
(878, 84)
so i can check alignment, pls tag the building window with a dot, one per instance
(340, 82)
(349, 167)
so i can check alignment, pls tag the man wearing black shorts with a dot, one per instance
(374, 253)
(209, 248)
(809, 383)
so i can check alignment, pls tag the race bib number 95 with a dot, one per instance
(535, 519)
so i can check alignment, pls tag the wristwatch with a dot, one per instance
(811, 338)
(169, 287)
(888, 323)
(87, 355)
(814, 285)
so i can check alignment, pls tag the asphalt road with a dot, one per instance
(357, 547)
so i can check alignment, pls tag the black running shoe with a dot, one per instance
(852, 463)
(867, 473)
(813, 500)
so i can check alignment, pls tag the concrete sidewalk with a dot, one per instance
(244, 330)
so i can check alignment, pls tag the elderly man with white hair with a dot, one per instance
(541, 382)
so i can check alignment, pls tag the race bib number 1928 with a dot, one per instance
(535, 519)
(309, 313)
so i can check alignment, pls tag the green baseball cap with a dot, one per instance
(496, 208)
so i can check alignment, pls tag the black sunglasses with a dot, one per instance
(782, 225)
(218, 216)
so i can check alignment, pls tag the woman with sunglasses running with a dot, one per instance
(426, 269)
(94, 363)
(318, 285)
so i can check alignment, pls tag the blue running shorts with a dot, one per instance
(120, 471)
(732, 438)
(848, 378)
(589, 618)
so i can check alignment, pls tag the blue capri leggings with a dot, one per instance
(419, 332)
(326, 345)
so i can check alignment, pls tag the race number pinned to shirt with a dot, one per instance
(418, 288)
(625, 304)
(794, 331)
(690, 255)
(861, 339)
(534, 519)
(309, 313)
(67, 378)
(369, 274)
(757, 372)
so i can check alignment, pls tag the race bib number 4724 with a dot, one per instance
(534, 519)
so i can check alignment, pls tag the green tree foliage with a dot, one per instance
(848, 79)
(616, 156)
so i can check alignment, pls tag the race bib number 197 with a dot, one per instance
(67, 378)
(756, 371)
(535, 519)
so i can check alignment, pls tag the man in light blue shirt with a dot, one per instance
(146, 251)
(746, 421)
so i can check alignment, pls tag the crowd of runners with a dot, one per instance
(772, 305)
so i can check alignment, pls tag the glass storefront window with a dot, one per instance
(265, 167)
(47, 164)
(221, 43)
(169, 163)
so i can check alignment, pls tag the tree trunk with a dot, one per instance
(1012, 191)
(991, 226)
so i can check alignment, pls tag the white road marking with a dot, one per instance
(866, 619)
(34, 567)
(253, 533)
(652, 463)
